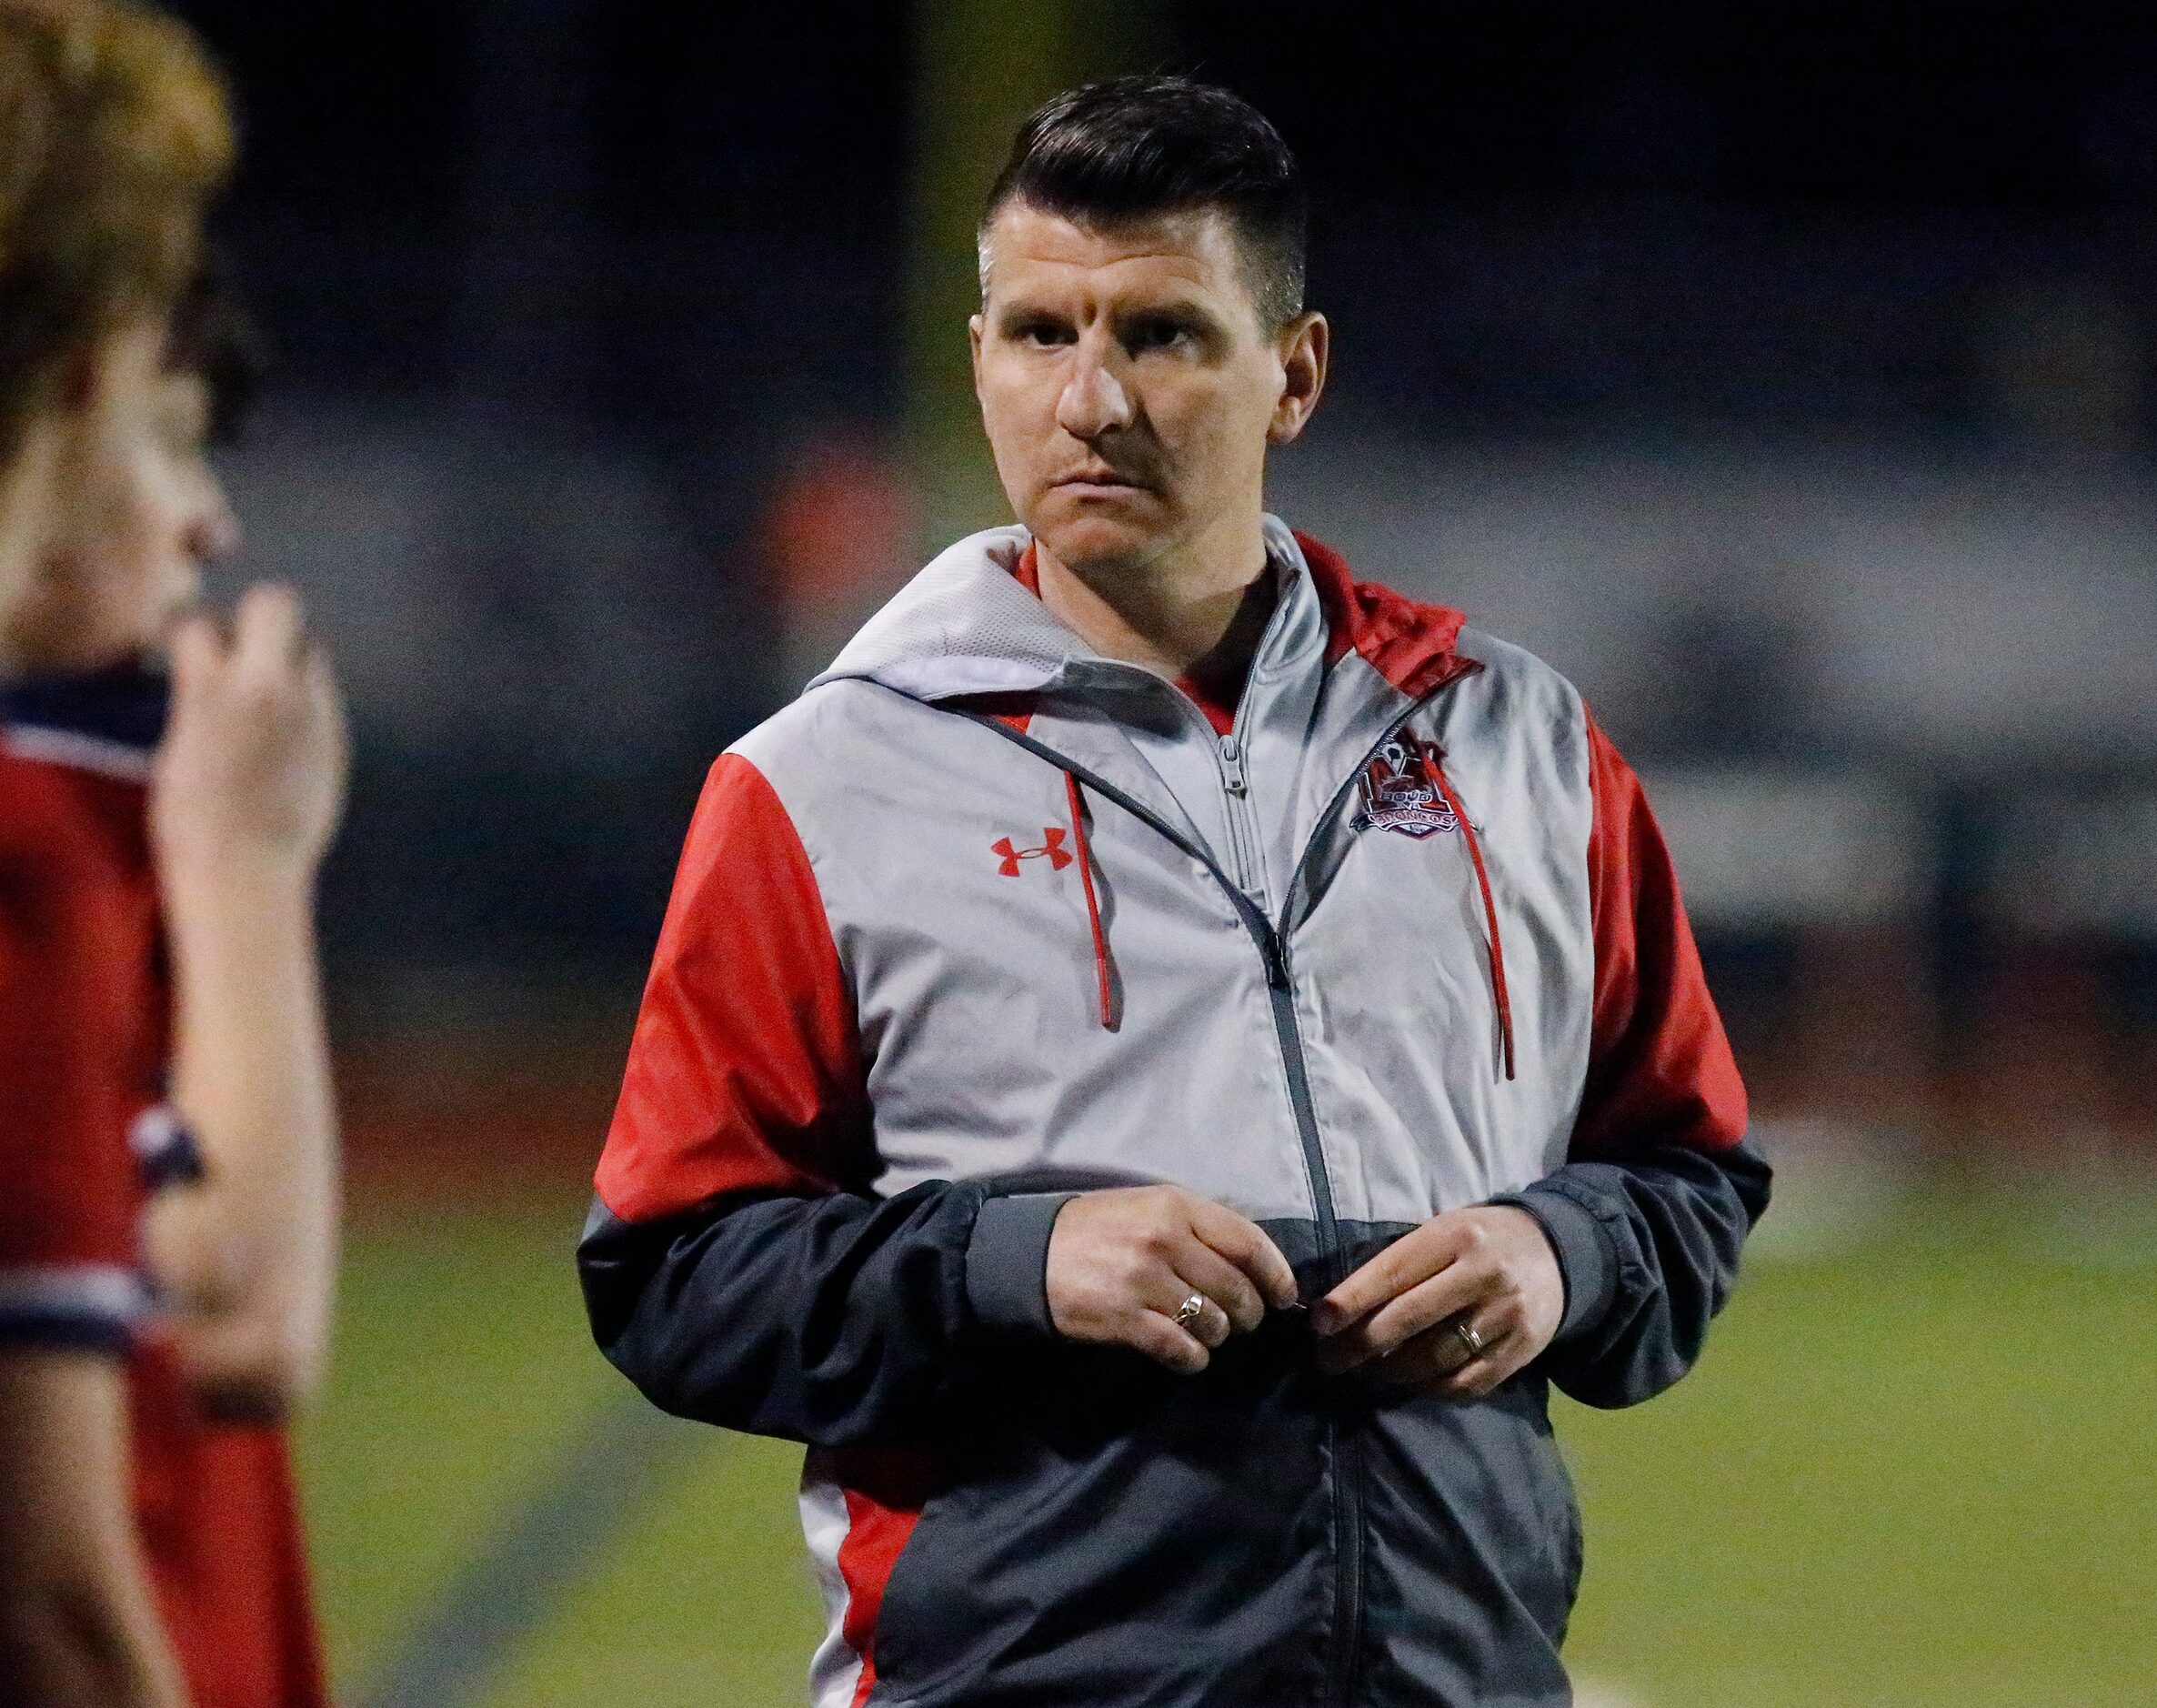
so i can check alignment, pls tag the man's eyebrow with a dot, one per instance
(1182, 313)
(1020, 311)
(1177, 306)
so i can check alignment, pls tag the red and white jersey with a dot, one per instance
(86, 1139)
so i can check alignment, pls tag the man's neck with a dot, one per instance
(1163, 618)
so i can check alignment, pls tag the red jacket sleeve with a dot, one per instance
(744, 1070)
(740, 1266)
(1659, 1065)
(68, 1194)
(1649, 1215)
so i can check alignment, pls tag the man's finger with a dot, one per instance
(1206, 1272)
(1452, 1292)
(1410, 1260)
(1162, 1340)
(1245, 1245)
(1473, 1377)
(318, 673)
(1439, 1361)
(270, 635)
(1211, 1328)
(1169, 1292)
(194, 648)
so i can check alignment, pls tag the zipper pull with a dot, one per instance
(1277, 961)
(1231, 764)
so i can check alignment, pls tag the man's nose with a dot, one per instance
(1094, 400)
(215, 531)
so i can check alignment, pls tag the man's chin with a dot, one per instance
(1097, 543)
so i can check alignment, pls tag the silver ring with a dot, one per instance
(1190, 1310)
(1466, 1331)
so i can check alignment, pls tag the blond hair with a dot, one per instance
(115, 133)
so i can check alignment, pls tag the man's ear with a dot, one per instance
(973, 337)
(1305, 343)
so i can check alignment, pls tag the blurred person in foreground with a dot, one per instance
(167, 1198)
(1162, 1055)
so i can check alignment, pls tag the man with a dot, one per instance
(167, 1221)
(1163, 1054)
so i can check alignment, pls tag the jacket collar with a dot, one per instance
(964, 625)
(1411, 644)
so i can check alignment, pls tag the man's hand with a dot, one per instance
(249, 785)
(251, 775)
(1490, 1268)
(1122, 1261)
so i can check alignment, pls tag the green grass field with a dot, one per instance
(1919, 1470)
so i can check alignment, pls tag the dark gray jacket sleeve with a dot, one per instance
(1649, 1249)
(835, 1319)
(1650, 1213)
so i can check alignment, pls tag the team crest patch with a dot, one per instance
(1052, 848)
(1397, 793)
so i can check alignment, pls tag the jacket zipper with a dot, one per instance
(1345, 1448)
(1343, 1444)
(1231, 767)
(1243, 837)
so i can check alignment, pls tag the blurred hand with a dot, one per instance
(1122, 1261)
(1491, 1267)
(250, 778)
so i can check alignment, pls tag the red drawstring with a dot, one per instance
(1436, 772)
(1093, 906)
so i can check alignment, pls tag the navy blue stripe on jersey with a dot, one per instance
(123, 707)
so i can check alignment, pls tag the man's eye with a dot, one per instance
(1041, 333)
(1158, 334)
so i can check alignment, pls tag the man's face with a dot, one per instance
(1126, 386)
(132, 512)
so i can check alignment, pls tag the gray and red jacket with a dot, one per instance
(983, 919)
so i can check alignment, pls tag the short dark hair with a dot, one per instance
(1138, 147)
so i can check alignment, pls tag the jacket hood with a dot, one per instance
(965, 625)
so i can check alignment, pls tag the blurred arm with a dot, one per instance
(77, 1626)
(736, 1268)
(247, 1254)
(1649, 1216)
(249, 785)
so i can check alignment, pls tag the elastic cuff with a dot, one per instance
(1006, 1261)
(1586, 1258)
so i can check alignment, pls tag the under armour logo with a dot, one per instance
(1052, 845)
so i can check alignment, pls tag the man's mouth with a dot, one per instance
(1105, 481)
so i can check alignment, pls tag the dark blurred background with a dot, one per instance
(1781, 373)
